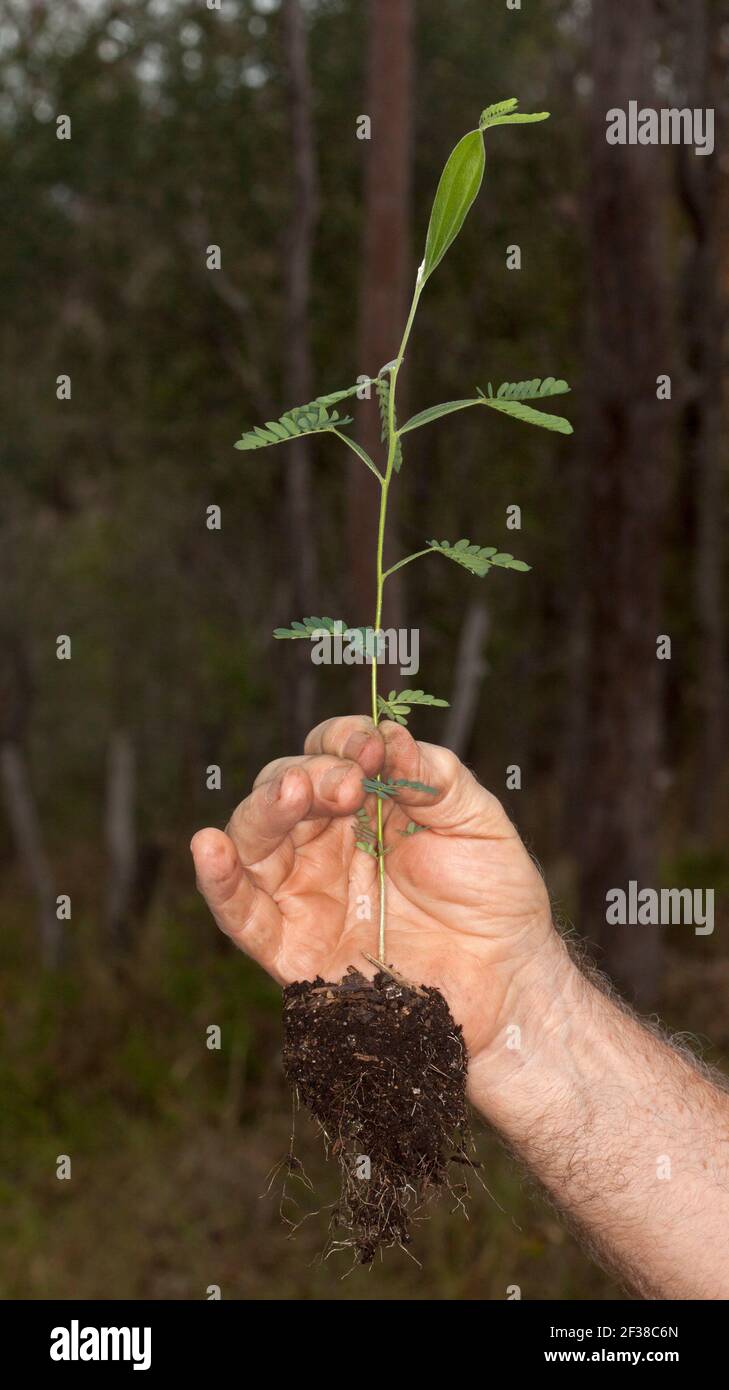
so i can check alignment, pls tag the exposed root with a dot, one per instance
(382, 1067)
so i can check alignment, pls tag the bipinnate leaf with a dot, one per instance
(398, 706)
(505, 113)
(383, 399)
(314, 418)
(478, 559)
(508, 405)
(509, 399)
(387, 790)
(310, 627)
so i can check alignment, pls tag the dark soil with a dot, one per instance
(382, 1066)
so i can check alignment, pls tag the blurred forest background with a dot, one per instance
(237, 126)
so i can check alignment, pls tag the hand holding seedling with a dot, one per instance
(370, 842)
(372, 849)
(600, 1109)
(467, 909)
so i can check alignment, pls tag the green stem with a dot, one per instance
(380, 578)
(406, 561)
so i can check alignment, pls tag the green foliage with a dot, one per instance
(461, 180)
(335, 397)
(382, 387)
(505, 113)
(434, 412)
(309, 626)
(478, 559)
(457, 189)
(516, 408)
(459, 185)
(387, 790)
(397, 707)
(507, 398)
(314, 418)
(412, 828)
(529, 390)
(366, 837)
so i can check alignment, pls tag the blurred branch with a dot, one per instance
(26, 827)
(470, 669)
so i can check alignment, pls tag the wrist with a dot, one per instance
(529, 1061)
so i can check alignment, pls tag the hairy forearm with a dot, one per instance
(629, 1137)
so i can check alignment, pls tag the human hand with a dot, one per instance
(467, 910)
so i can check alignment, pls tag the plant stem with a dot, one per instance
(380, 578)
(428, 551)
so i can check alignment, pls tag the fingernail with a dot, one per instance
(333, 780)
(354, 745)
(273, 790)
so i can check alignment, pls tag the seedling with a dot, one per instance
(459, 185)
(381, 1063)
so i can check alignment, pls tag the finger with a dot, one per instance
(351, 736)
(300, 789)
(261, 823)
(245, 913)
(459, 802)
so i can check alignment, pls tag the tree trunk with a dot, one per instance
(299, 376)
(28, 835)
(121, 840)
(386, 280)
(627, 461)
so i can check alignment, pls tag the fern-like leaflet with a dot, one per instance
(382, 387)
(314, 418)
(315, 627)
(529, 390)
(304, 419)
(386, 791)
(478, 559)
(397, 707)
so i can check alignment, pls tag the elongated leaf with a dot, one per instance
(478, 559)
(505, 113)
(461, 180)
(363, 455)
(434, 412)
(455, 195)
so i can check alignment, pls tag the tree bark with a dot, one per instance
(385, 281)
(626, 460)
(299, 375)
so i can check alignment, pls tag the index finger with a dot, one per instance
(352, 736)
